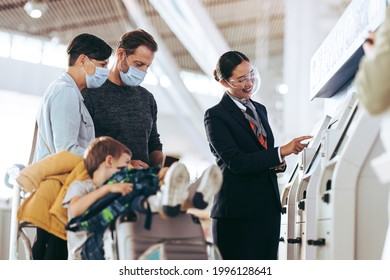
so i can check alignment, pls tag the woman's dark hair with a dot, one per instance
(130, 41)
(227, 63)
(90, 45)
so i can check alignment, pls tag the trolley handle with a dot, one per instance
(12, 173)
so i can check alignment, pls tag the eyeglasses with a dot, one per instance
(250, 77)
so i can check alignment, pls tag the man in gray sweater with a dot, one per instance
(124, 110)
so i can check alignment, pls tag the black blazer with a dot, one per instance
(250, 187)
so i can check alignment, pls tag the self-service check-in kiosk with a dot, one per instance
(290, 186)
(288, 234)
(306, 196)
(351, 202)
(333, 205)
(351, 216)
(287, 246)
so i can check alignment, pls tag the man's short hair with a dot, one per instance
(130, 41)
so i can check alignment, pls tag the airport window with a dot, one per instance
(26, 49)
(33, 50)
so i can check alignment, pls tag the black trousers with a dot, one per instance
(247, 239)
(49, 247)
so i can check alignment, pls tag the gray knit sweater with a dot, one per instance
(127, 114)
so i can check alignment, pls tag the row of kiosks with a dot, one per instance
(298, 199)
(334, 206)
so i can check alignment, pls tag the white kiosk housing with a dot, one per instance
(288, 230)
(306, 196)
(351, 202)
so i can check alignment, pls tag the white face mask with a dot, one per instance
(133, 77)
(98, 78)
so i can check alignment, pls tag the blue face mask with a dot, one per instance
(98, 78)
(133, 77)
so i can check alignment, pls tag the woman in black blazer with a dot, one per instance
(246, 212)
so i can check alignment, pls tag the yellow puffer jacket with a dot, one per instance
(48, 181)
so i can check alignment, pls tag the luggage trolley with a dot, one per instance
(169, 238)
(180, 238)
(18, 234)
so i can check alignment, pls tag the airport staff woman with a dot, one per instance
(246, 212)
